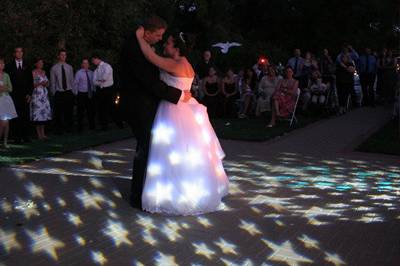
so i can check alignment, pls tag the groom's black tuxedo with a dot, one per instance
(141, 93)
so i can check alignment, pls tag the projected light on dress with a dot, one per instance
(161, 192)
(162, 134)
(174, 158)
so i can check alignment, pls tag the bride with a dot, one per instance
(185, 175)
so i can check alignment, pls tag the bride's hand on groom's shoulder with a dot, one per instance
(140, 32)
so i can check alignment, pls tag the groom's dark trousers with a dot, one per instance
(141, 92)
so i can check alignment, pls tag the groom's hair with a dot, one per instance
(154, 23)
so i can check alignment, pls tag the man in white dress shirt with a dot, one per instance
(61, 86)
(104, 81)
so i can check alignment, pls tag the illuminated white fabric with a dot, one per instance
(185, 175)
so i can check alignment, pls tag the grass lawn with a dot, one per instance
(254, 129)
(386, 140)
(235, 129)
(59, 144)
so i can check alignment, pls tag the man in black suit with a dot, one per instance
(141, 93)
(22, 81)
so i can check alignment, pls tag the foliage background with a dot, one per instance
(265, 27)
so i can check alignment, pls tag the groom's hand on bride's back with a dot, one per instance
(186, 96)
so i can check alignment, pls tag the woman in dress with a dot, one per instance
(248, 88)
(185, 175)
(344, 81)
(7, 108)
(266, 89)
(231, 93)
(40, 105)
(211, 89)
(284, 98)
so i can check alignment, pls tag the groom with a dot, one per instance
(140, 96)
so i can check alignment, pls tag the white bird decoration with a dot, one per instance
(226, 46)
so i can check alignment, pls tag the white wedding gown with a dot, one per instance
(185, 175)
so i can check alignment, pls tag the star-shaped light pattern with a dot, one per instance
(162, 134)
(80, 240)
(226, 247)
(154, 169)
(96, 183)
(204, 222)
(165, 260)
(174, 158)
(8, 241)
(161, 192)
(203, 250)
(96, 162)
(34, 190)
(117, 232)
(334, 259)
(193, 192)
(42, 242)
(88, 201)
(6, 206)
(27, 207)
(146, 222)
(61, 202)
(250, 228)
(98, 257)
(74, 219)
(171, 231)
(309, 242)
(285, 253)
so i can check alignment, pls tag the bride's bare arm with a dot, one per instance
(164, 63)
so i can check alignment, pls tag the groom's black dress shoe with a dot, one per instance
(136, 204)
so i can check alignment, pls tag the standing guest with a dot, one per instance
(327, 67)
(22, 84)
(344, 81)
(231, 93)
(368, 69)
(348, 50)
(61, 86)
(40, 105)
(387, 75)
(84, 90)
(203, 67)
(297, 63)
(266, 89)
(103, 80)
(284, 98)
(7, 108)
(211, 89)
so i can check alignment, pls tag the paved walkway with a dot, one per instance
(303, 199)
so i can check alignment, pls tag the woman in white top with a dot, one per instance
(185, 175)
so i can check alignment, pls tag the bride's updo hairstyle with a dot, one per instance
(184, 42)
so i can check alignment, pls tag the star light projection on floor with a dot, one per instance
(287, 211)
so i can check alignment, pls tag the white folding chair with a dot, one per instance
(294, 118)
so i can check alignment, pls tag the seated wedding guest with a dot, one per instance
(344, 81)
(103, 79)
(20, 73)
(84, 91)
(266, 89)
(231, 93)
(61, 86)
(211, 89)
(284, 98)
(7, 108)
(317, 89)
(40, 105)
(248, 92)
